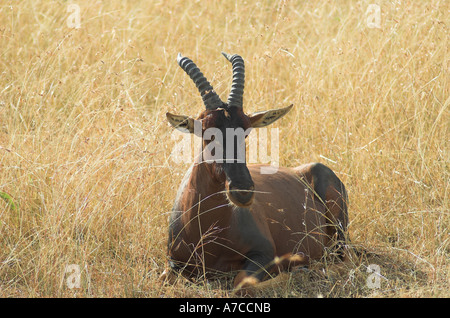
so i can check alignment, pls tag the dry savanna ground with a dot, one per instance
(86, 174)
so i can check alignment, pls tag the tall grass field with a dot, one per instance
(87, 178)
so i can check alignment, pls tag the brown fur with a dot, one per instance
(286, 212)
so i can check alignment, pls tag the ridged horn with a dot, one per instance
(236, 96)
(209, 96)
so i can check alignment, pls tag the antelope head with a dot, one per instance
(223, 128)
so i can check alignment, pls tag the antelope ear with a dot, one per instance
(181, 122)
(264, 118)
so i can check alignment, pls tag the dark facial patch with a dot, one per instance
(238, 180)
(224, 118)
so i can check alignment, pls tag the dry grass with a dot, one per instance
(84, 145)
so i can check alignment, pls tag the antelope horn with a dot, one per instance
(209, 96)
(236, 96)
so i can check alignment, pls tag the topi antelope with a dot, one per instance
(228, 216)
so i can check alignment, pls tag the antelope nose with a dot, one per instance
(242, 196)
